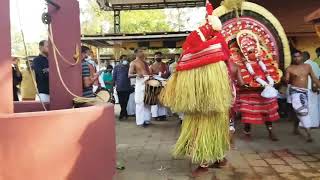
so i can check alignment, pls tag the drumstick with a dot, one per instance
(137, 75)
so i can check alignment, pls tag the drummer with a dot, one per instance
(160, 71)
(139, 69)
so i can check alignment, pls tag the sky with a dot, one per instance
(30, 12)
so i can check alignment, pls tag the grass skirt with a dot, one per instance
(202, 90)
(203, 138)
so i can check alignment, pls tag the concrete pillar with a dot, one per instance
(66, 31)
(6, 102)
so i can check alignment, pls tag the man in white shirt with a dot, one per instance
(313, 92)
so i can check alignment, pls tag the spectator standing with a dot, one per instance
(16, 77)
(41, 69)
(123, 86)
(89, 76)
(108, 79)
(313, 91)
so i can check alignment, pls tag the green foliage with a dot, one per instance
(17, 47)
(96, 21)
(144, 21)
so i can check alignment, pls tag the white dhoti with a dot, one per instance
(131, 107)
(143, 111)
(300, 98)
(313, 97)
(181, 115)
(314, 109)
(158, 111)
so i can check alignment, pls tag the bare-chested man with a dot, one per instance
(159, 69)
(297, 76)
(139, 69)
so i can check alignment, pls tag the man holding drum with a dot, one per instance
(160, 70)
(139, 69)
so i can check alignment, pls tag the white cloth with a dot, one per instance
(143, 111)
(314, 109)
(45, 98)
(101, 82)
(115, 96)
(158, 111)
(314, 97)
(300, 104)
(181, 116)
(269, 92)
(131, 107)
(288, 96)
(172, 67)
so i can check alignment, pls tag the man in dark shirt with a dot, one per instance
(88, 77)
(122, 82)
(41, 68)
(16, 77)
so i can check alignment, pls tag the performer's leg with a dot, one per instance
(271, 134)
(293, 117)
(247, 129)
(296, 122)
(306, 123)
(140, 114)
(147, 114)
(162, 112)
(202, 168)
(232, 128)
(199, 170)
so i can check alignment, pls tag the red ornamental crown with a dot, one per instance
(209, 8)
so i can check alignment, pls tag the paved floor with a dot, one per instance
(146, 154)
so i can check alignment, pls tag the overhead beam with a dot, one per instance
(145, 6)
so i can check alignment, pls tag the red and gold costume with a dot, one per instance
(257, 45)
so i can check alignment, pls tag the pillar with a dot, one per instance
(117, 19)
(6, 102)
(66, 31)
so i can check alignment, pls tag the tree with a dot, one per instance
(17, 46)
(96, 21)
(177, 19)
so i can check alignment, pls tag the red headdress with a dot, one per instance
(203, 46)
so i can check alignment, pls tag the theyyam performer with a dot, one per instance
(258, 45)
(201, 89)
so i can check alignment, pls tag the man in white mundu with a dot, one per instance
(140, 70)
(131, 107)
(160, 70)
(313, 92)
